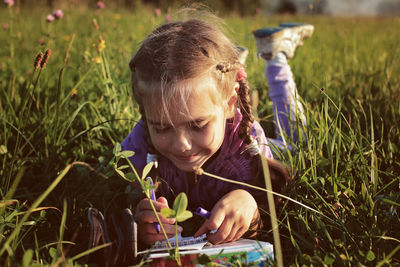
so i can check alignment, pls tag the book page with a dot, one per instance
(184, 243)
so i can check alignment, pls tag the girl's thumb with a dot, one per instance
(162, 200)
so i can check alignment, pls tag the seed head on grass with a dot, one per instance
(45, 58)
(38, 59)
(95, 24)
(198, 170)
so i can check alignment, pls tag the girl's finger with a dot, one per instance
(239, 234)
(232, 233)
(169, 229)
(223, 232)
(213, 223)
(158, 205)
(148, 216)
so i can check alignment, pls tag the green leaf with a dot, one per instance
(130, 176)
(180, 203)
(53, 254)
(27, 259)
(204, 259)
(121, 173)
(370, 256)
(117, 148)
(328, 260)
(183, 216)
(147, 169)
(168, 213)
(122, 167)
(126, 154)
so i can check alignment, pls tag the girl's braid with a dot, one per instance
(246, 110)
(243, 101)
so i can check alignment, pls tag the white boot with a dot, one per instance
(285, 38)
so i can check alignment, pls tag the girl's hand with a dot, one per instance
(145, 219)
(232, 216)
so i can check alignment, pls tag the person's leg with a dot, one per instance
(276, 46)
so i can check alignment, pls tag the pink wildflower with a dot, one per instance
(50, 18)
(58, 14)
(168, 18)
(6, 26)
(9, 2)
(100, 5)
(41, 41)
(157, 12)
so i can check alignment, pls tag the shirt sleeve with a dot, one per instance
(136, 142)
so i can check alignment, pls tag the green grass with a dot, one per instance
(75, 109)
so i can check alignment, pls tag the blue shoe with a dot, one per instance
(285, 38)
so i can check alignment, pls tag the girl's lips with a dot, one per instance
(188, 158)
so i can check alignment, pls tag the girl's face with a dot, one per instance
(189, 140)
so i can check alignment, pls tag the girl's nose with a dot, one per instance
(183, 141)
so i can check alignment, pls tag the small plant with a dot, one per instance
(178, 212)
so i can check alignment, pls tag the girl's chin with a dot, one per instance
(189, 166)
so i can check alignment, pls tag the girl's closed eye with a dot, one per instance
(198, 126)
(160, 129)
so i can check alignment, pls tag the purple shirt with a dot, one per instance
(234, 160)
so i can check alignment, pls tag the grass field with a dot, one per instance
(59, 125)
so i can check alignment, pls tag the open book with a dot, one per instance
(247, 250)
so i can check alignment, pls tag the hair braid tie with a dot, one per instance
(241, 75)
(223, 67)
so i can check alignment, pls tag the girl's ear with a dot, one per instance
(232, 101)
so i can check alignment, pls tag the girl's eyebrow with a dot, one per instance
(154, 122)
(196, 120)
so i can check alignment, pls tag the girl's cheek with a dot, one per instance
(158, 140)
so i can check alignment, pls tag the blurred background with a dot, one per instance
(251, 7)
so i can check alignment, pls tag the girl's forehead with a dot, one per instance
(195, 99)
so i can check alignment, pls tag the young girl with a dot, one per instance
(193, 96)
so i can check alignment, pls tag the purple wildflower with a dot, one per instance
(157, 12)
(168, 18)
(58, 14)
(41, 41)
(6, 26)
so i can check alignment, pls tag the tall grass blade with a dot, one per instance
(272, 211)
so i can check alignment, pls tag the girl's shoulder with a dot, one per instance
(136, 141)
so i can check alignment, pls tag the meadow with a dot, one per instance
(60, 121)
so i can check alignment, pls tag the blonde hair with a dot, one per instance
(175, 54)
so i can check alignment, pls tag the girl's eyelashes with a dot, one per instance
(198, 126)
(195, 125)
(160, 130)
